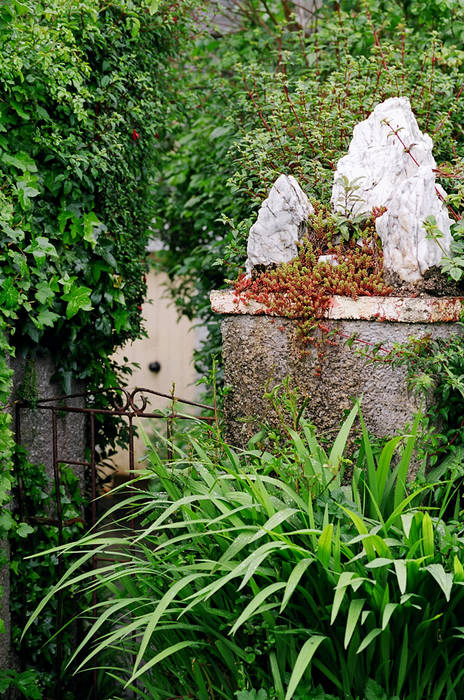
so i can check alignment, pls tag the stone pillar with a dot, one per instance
(258, 349)
(33, 379)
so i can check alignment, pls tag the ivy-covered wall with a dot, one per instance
(85, 105)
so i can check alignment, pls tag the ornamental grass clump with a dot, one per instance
(241, 582)
(326, 265)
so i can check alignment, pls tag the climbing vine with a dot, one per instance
(85, 107)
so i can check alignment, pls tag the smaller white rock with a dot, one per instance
(332, 259)
(282, 221)
(406, 250)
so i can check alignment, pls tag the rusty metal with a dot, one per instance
(115, 402)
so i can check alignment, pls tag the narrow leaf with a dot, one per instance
(354, 612)
(303, 660)
(444, 580)
(387, 613)
(427, 535)
(293, 580)
(255, 603)
(324, 549)
(368, 639)
(160, 657)
(401, 574)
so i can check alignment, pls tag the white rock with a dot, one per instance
(282, 221)
(331, 259)
(390, 164)
(377, 160)
(406, 249)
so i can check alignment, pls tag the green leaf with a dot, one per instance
(162, 606)
(324, 549)
(303, 660)
(92, 226)
(41, 248)
(23, 530)
(401, 574)
(9, 295)
(153, 6)
(427, 535)
(336, 453)
(78, 299)
(21, 161)
(368, 639)
(255, 603)
(173, 649)
(458, 569)
(387, 613)
(220, 131)
(45, 317)
(374, 691)
(347, 578)
(293, 580)
(276, 677)
(354, 611)
(444, 580)
(44, 292)
(405, 463)
(403, 661)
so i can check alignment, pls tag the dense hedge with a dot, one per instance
(85, 100)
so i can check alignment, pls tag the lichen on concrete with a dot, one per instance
(259, 353)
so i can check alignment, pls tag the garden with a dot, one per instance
(297, 555)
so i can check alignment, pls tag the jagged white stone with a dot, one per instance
(377, 160)
(281, 223)
(390, 164)
(406, 249)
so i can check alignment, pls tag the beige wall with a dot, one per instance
(170, 342)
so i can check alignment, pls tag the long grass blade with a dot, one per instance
(354, 611)
(307, 652)
(255, 603)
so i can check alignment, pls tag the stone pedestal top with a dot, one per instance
(387, 308)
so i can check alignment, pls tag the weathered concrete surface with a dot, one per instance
(36, 435)
(258, 350)
(6, 660)
(34, 377)
(398, 309)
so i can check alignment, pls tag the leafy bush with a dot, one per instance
(29, 581)
(241, 580)
(84, 91)
(271, 98)
(85, 94)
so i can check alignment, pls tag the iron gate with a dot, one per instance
(89, 410)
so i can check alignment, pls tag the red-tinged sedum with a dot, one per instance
(301, 289)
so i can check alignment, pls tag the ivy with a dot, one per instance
(85, 103)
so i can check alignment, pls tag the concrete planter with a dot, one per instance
(258, 348)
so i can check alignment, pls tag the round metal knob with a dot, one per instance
(154, 366)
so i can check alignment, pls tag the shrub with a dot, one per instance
(85, 100)
(242, 579)
(271, 98)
